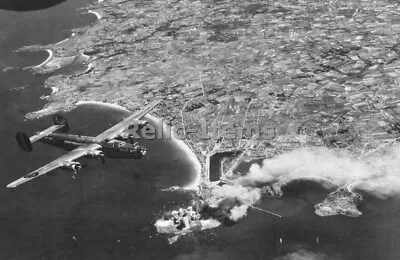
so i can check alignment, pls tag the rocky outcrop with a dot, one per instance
(294, 69)
(305, 74)
(183, 221)
(340, 202)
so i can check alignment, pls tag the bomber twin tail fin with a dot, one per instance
(25, 142)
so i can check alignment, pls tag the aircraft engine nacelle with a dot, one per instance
(97, 155)
(127, 137)
(74, 166)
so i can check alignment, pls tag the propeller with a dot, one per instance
(100, 157)
(76, 168)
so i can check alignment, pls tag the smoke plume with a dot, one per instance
(238, 212)
(245, 195)
(234, 200)
(375, 174)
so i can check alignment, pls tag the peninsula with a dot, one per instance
(293, 73)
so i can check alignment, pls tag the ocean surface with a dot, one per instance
(108, 211)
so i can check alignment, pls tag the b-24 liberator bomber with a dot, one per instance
(113, 143)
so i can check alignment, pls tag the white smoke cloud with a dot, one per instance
(377, 174)
(242, 198)
(238, 212)
(245, 195)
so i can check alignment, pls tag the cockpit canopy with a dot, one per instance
(127, 147)
(118, 144)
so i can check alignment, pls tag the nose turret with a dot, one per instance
(138, 150)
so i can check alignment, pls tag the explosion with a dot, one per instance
(331, 169)
(374, 174)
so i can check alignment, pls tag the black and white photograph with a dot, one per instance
(200, 129)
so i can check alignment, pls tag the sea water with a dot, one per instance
(108, 211)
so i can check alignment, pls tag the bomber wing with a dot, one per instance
(46, 132)
(62, 161)
(123, 125)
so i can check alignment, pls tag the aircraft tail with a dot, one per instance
(25, 142)
(60, 120)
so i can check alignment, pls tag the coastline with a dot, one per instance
(83, 55)
(183, 146)
(100, 103)
(51, 54)
(62, 41)
(152, 57)
(219, 57)
(53, 64)
(90, 66)
(53, 90)
(98, 16)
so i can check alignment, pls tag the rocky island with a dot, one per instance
(340, 202)
(259, 79)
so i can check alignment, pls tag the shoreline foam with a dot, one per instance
(98, 16)
(100, 103)
(53, 90)
(89, 67)
(51, 54)
(62, 41)
(179, 143)
(85, 56)
(186, 149)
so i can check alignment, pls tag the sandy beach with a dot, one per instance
(54, 90)
(179, 143)
(89, 67)
(99, 103)
(184, 147)
(50, 52)
(95, 13)
(84, 56)
(62, 41)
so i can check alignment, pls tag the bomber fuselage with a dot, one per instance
(111, 148)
